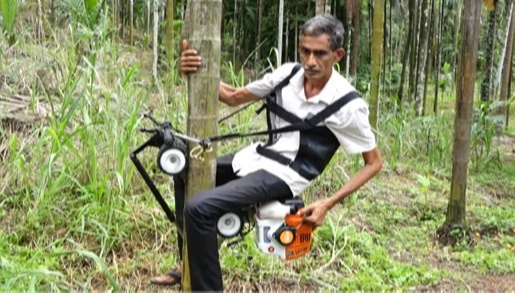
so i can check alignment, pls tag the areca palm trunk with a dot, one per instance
(407, 48)
(438, 56)
(505, 79)
(131, 22)
(155, 44)
(456, 209)
(354, 9)
(422, 55)
(489, 52)
(169, 32)
(320, 6)
(377, 53)
(203, 86)
(280, 36)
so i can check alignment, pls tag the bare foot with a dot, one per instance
(170, 279)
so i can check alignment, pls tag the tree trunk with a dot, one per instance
(503, 53)
(327, 9)
(407, 47)
(148, 17)
(206, 18)
(489, 52)
(260, 21)
(456, 208)
(385, 44)
(296, 33)
(234, 30)
(116, 10)
(346, 40)
(319, 8)
(375, 70)
(355, 39)
(280, 31)
(439, 56)
(457, 22)
(186, 25)
(507, 65)
(413, 6)
(131, 23)
(154, 43)
(170, 48)
(286, 34)
(430, 49)
(422, 55)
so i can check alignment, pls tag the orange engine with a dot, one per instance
(279, 231)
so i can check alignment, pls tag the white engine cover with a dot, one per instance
(269, 218)
(264, 240)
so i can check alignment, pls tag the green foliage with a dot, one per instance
(9, 11)
(484, 129)
(74, 215)
(86, 12)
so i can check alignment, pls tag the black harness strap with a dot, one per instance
(305, 124)
(297, 124)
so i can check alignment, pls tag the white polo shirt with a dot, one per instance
(350, 124)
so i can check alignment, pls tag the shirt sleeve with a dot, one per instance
(265, 85)
(351, 127)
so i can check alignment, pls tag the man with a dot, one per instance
(258, 172)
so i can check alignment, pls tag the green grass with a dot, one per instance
(75, 214)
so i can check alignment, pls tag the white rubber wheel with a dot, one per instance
(229, 225)
(172, 161)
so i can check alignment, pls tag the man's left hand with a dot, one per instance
(314, 214)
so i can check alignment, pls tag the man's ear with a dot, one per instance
(339, 53)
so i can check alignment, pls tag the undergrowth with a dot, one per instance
(75, 215)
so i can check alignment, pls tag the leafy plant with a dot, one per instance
(9, 11)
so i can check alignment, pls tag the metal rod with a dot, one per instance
(169, 213)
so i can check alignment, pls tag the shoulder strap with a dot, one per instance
(301, 125)
(285, 81)
(278, 87)
(332, 108)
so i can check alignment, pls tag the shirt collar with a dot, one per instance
(326, 95)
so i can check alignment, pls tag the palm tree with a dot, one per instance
(455, 221)
(422, 55)
(204, 35)
(377, 53)
(489, 50)
(320, 6)
(505, 79)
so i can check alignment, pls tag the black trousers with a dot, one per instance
(201, 213)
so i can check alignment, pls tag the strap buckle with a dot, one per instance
(199, 151)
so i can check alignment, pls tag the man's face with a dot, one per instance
(317, 57)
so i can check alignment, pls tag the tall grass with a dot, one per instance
(74, 215)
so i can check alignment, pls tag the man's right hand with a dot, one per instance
(190, 59)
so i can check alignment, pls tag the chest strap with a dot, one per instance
(300, 124)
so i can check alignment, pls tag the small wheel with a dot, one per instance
(171, 161)
(229, 225)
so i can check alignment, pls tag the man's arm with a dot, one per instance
(315, 213)
(191, 61)
(235, 96)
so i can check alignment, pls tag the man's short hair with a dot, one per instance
(324, 24)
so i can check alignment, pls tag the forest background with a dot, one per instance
(77, 75)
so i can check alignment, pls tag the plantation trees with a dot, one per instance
(203, 85)
(455, 221)
(489, 51)
(506, 69)
(377, 53)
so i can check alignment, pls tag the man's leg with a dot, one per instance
(224, 174)
(203, 211)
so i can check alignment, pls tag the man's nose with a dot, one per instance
(311, 61)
